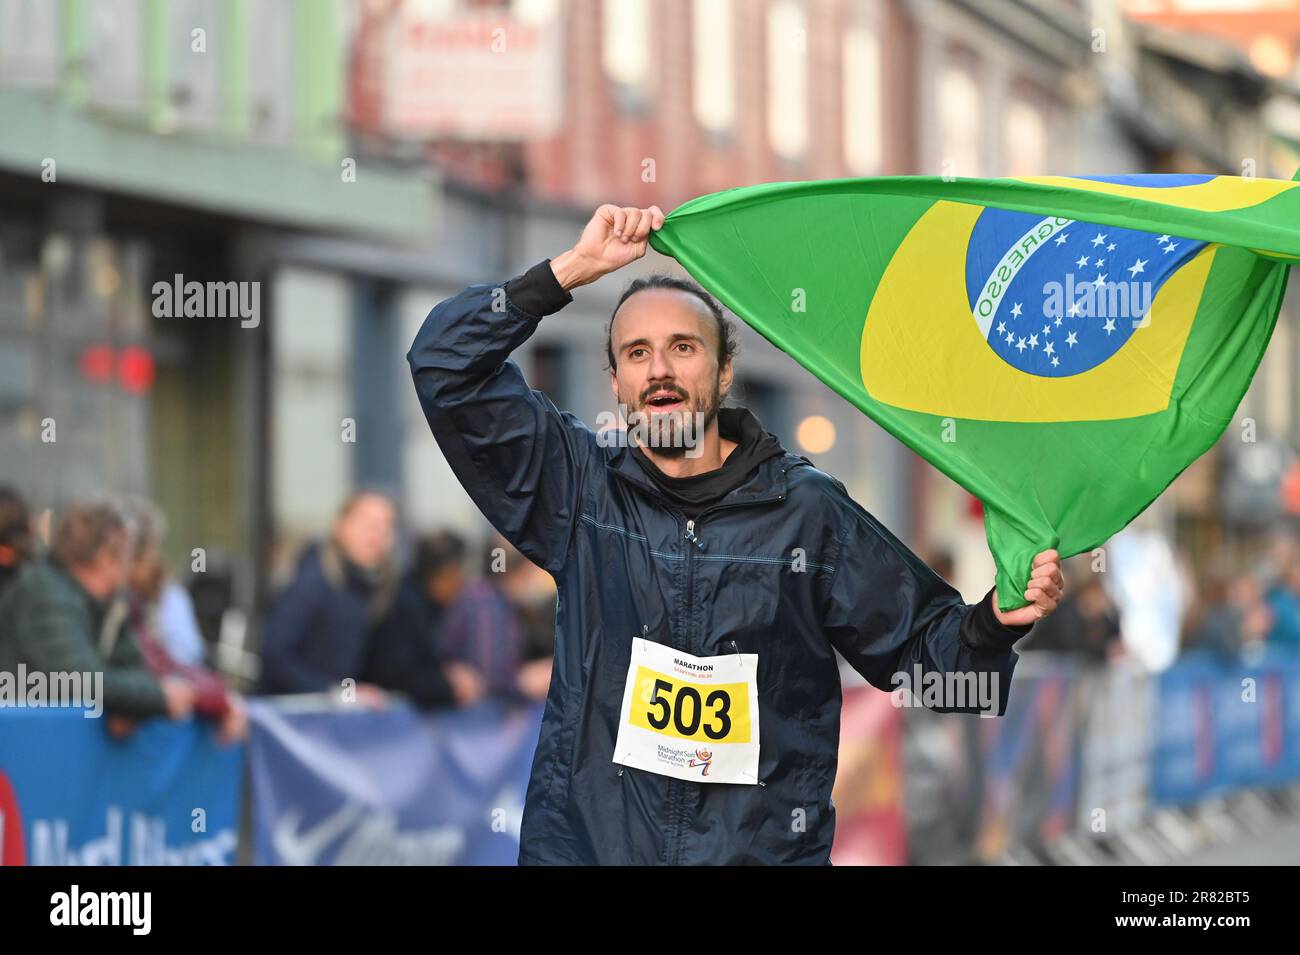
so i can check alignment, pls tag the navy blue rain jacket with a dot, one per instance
(624, 567)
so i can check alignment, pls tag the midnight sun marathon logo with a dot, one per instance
(704, 758)
(1055, 297)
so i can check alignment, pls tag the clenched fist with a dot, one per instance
(615, 236)
(1044, 591)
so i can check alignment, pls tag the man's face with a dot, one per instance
(365, 533)
(665, 346)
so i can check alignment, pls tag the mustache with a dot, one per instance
(665, 388)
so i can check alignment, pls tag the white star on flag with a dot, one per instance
(1071, 340)
(1139, 266)
(1109, 326)
(1099, 240)
(1015, 310)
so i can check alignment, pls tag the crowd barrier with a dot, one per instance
(1094, 751)
(388, 787)
(1082, 750)
(70, 794)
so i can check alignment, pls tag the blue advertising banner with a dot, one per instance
(1184, 765)
(389, 787)
(166, 795)
(1289, 672)
(1249, 727)
(1224, 726)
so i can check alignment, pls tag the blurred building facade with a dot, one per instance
(173, 142)
(362, 159)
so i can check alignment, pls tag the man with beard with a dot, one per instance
(706, 578)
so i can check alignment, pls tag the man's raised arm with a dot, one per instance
(520, 458)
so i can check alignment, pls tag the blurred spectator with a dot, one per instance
(147, 586)
(1150, 588)
(405, 654)
(1234, 617)
(55, 617)
(15, 535)
(1256, 615)
(530, 590)
(318, 630)
(1284, 601)
(213, 594)
(1086, 623)
(1272, 565)
(1214, 626)
(172, 622)
(483, 630)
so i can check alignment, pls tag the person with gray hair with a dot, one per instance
(56, 616)
(171, 610)
(147, 585)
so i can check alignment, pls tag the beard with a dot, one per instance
(669, 433)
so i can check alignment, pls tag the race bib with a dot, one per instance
(690, 717)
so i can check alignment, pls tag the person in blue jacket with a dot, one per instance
(706, 578)
(318, 632)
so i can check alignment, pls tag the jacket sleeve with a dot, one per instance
(60, 641)
(211, 695)
(520, 459)
(897, 622)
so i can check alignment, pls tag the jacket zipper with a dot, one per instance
(676, 787)
(690, 534)
(679, 786)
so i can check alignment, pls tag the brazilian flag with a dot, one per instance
(1061, 347)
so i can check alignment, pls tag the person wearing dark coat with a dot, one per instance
(59, 616)
(406, 653)
(706, 578)
(317, 632)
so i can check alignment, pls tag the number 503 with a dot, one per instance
(683, 708)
